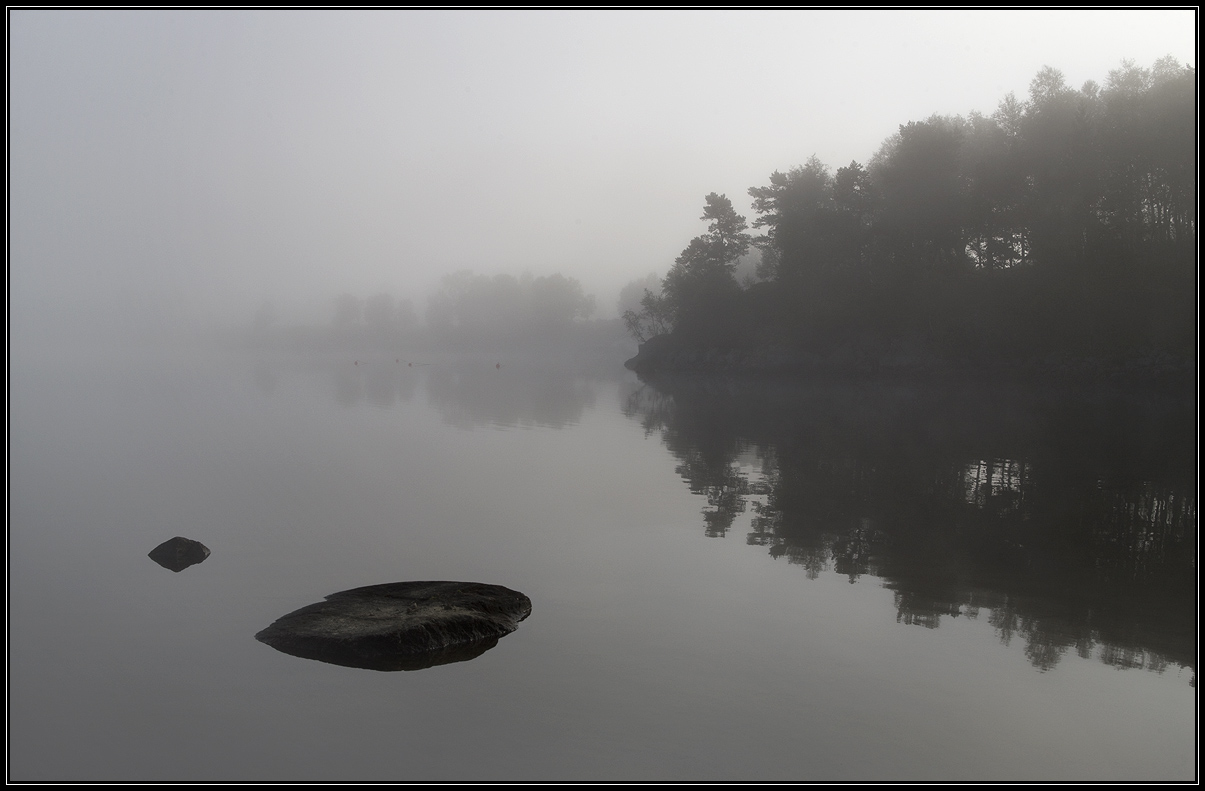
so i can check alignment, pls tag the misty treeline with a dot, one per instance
(467, 311)
(474, 307)
(1062, 224)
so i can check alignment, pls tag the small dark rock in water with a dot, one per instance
(179, 553)
(401, 625)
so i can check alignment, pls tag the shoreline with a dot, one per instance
(665, 355)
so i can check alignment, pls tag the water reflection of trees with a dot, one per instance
(1068, 520)
(379, 381)
(468, 395)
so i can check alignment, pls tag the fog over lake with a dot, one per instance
(325, 464)
(770, 595)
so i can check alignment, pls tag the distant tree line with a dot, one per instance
(379, 317)
(472, 308)
(467, 311)
(1065, 223)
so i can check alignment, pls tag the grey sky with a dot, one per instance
(179, 162)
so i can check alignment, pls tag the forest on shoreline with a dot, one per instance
(1058, 232)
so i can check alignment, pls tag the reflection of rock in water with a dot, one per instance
(401, 625)
(179, 553)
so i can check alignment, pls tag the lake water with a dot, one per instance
(730, 581)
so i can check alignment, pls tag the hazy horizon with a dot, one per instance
(189, 165)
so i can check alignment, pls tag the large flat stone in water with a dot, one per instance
(401, 625)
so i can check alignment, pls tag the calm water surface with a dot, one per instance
(729, 581)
